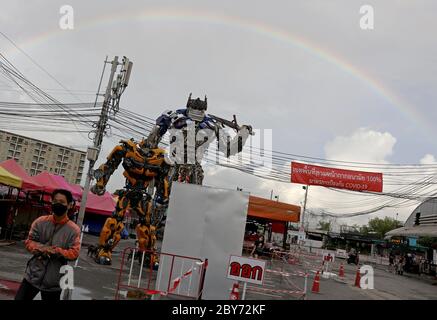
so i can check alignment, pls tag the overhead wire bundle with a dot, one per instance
(412, 187)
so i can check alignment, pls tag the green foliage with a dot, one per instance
(380, 226)
(324, 225)
(426, 241)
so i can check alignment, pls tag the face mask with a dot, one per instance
(59, 209)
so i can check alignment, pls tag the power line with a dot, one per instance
(39, 66)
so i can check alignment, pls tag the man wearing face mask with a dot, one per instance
(53, 240)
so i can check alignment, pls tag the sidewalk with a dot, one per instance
(8, 289)
(92, 281)
(4, 243)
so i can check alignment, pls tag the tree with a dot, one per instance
(365, 230)
(426, 241)
(324, 225)
(382, 226)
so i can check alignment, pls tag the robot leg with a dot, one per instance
(197, 174)
(146, 233)
(111, 232)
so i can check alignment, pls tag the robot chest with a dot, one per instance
(184, 123)
(138, 165)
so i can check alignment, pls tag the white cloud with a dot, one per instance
(428, 159)
(364, 145)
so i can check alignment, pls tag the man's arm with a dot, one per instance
(72, 253)
(32, 243)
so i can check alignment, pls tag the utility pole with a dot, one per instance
(304, 208)
(110, 104)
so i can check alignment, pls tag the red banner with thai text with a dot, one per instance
(336, 178)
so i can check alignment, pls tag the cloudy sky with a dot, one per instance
(304, 69)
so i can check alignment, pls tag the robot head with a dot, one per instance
(196, 108)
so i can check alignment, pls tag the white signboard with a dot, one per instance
(246, 269)
(301, 236)
(206, 223)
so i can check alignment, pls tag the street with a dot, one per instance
(91, 281)
(387, 286)
(98, 282)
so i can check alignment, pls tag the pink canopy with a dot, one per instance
(13, 167)
(104, 204)
(77, 188)
(50, 182)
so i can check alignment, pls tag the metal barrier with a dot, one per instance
(282, 280)
(297, 259)
(286, 284)
(159, 274)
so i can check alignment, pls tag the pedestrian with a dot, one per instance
(258, 247)
(391, 261)
(401, 264)
(53, 240)
(421, 265)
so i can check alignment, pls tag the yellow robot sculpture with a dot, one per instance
(142, 165)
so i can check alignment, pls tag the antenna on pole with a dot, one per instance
(111, 101)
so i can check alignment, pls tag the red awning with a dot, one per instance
(50, 182)
(273, 210)
(13, 167)
(77, 188)
(104, 205)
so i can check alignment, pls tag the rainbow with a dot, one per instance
(262, 29)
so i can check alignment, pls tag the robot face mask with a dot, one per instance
(196, 108)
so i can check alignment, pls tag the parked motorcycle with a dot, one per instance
(353, 258)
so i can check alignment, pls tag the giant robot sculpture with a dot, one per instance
(203, 129)
(145, 161)
(141, 165)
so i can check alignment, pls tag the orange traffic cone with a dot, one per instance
(316, 284)
(358, 278)
(235, 294)
(341, 273)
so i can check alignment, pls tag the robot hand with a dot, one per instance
(98, 174)
(161, 201)
(248, 128)
(109, 244)
(98, 190)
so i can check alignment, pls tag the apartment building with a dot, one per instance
(36, 156)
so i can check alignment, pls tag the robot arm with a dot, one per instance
(159, 130)
(153, 138)
(163, 185)
(104, 172)
(162, 194)
(231, 146)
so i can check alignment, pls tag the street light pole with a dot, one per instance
(304, 207)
